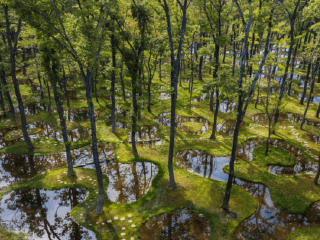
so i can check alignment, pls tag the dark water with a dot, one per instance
(268, 222)
(83, 156)
(80, 114)
(128, 182)
(164, 119)
(147, 137)
(178, 225)
(44, 214)
(16, 167)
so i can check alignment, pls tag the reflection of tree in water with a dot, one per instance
(45, 214)
(176, 225)
(16, 167)
(129, 182)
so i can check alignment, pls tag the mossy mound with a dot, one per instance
(305, 234)
(292, 193)
(193, 126)
(17, 134)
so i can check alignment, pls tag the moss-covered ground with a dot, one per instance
(291, 193)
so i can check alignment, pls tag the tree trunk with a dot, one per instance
(65, 87)
(63, 126)
(113, 80)
(211, 100)
(134, 116)
(12, 51)
(122, 83)
(314, 71)
(7, 94)
(215, 118)
(88, 83)
(305, 85)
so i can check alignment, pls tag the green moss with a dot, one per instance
(17, 134)
(292, 193)
(305, 234)
(193, 126)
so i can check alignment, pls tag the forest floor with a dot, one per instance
(294, 193)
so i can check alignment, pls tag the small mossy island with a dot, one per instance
(160, 120)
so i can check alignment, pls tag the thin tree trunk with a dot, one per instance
(305, 85)
(113, 81)
(12, 50)
(63, 126)
(215, 118)
(314, 71)
(88, 83)
(211, 100)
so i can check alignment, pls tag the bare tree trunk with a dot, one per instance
(12, 50)
(215, 118)
(305, 85)
(314, 72)
(113, 80)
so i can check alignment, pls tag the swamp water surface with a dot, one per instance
(177, 225)
(44, 214)
(164, 119)
(268, 222)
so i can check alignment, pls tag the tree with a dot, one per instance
(12, 36)
(175, 68)
(53, 19)
(242, 108)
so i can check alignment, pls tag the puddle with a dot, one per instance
(147, 137)
(34, 108)
(295, 118)
(16, 167)
(262, 119)
(120, 124)
(44, 214)
(128, 182)
(203, 164)
(164, 119)
(227, 127)
(203, 97)
(227, 106)
(83, 156)
(178, 225)
(80, 114)
(268, 222)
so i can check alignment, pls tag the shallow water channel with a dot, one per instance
(44, 214)
(268, 222)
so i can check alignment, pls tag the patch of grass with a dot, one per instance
(292, 193)
(193, 126)
(305, 234)
(17, 134)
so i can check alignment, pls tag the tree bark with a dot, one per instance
(12, 50)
